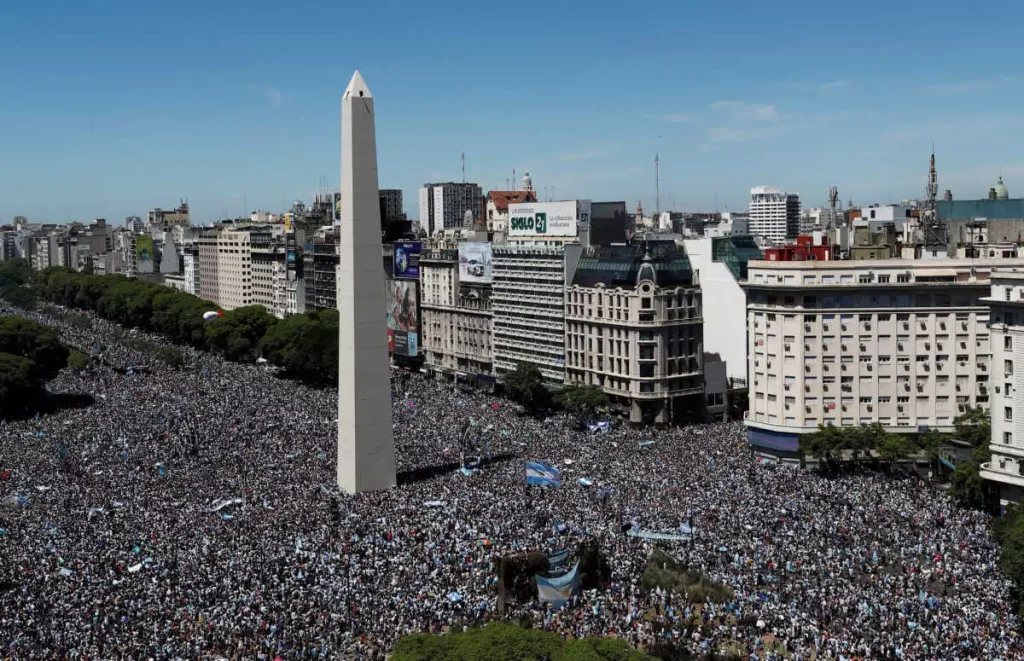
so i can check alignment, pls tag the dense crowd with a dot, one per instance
(188, 514)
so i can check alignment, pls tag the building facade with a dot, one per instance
(167, 218)
(634, 329)
(903, 343)
(774, 214)
(1006, 317)
(320, 268)
(528, 300)
(444, 206)
(457, 320)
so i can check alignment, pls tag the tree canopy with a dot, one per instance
(237, 334)
(525, 386)
(582, 401)
(499, 641)
(30, 355)
(16, 276)
(305, 346)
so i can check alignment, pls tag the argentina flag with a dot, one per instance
(541, 474)
(559, 590)
(559, 560)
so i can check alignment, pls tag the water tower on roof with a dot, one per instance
(527, 182)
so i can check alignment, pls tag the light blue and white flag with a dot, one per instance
(559, 559)
(558, 590)
(542, 474)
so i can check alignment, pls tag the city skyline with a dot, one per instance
(106, 125)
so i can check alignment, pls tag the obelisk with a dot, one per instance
(366, 445)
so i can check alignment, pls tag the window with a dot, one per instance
(1007, 437)
(1008, 367)
(1008, 414)
(903, 278)
(1008, 343)
(883, 279)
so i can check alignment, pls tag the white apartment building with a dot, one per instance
(634, 329)
(225, 267)
(457, 321)
(444, 206)
(528, 300)
(190, 268)
(1006, 317)
(903, 343)
(774, 214)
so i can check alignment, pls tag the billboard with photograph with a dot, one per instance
(402, 317)
(476, 262)
(407, 259)
(541, 219)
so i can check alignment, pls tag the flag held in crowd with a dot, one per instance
(558, 590)
(540, 474)
(559, 559)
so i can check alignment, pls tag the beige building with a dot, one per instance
(246, 265)
(904, 343)
(225, 267)
(457, 321)
(634, 328)
(1006, 317)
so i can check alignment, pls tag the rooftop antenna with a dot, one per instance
(513, 177)
(463, 167)
(506, 183)
(657, 186)
(833, 202)
(935, 232)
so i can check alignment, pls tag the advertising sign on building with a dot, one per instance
(543, 219)
(402, 317)
(476, 262)
(144, 248)
(407, 260)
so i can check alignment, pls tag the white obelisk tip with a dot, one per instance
(357, 86)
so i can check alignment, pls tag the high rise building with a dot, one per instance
(904, 343)
(366, 447)
(774, 214)
(320, 270)
(444, 205)
(634, 329)
(1006, 316)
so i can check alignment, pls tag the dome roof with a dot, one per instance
(1000, 188)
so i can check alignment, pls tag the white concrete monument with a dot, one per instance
(366, 445)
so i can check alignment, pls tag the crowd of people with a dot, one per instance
(192, 513)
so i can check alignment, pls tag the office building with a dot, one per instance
(903, 343)
(444, 205)
(633, 328)
(1006, 316)
(774, 215)
(320, 270)
(457, 320)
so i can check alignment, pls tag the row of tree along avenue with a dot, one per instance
(304, 346)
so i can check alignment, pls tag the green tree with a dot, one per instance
(499, 641)
(525, 386)
(1010, 534)
(237, 334)
(967, 488)
(826, 444)
(582, 401)
(78, 361)
(30, 355)
(305, 346)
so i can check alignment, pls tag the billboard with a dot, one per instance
(476, 262)
(542, 219)
(144, 248)
(609, 223)
(402, 317)
(407, 260)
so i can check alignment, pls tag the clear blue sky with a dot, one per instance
(109, 108)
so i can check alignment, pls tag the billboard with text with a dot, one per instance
(407, 260)
(541, 219)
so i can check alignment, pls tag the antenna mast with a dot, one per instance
(833, 201)
(463, 167)
(657, 186)
(935, 232)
